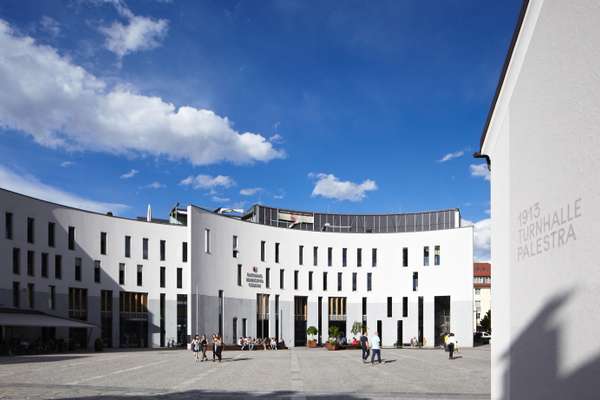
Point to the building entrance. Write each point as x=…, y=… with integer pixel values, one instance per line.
x=442, y=317
x=300, y=306
x=262, y=315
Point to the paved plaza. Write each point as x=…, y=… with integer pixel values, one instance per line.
x=284, y=374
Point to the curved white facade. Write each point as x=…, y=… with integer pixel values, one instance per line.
x=218, y=300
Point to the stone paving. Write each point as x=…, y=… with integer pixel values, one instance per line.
x=284, y=374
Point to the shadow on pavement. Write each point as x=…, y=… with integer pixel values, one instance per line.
x=38, y=359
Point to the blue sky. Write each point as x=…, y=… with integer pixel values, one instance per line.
x=346, y=106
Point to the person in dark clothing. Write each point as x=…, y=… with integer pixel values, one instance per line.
x=451, y=346
x=364, y=346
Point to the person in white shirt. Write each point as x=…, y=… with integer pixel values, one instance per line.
x=375, y=343
x=451, y=342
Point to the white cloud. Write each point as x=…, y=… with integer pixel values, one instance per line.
x=329, y=186
x=276, y=138
x=139, y=33
x=250, y=191
x=31, y=186
x=482, y=234
x=130, y=174
x=50, y=26
x=66, y=164
x=155, y=185
x=208, y=182
x=480, y=170
x=218, y=199
x=451, y=156
x=61, y=105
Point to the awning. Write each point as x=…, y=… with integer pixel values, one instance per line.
x=13, y=317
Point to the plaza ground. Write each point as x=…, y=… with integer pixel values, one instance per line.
x=284, y=374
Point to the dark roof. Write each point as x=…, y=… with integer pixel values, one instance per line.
x=511, y=49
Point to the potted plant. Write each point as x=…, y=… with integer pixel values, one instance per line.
x=312, y=331
x=332, y=343
x=357, y=328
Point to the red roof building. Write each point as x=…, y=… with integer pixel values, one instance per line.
x=482, y=275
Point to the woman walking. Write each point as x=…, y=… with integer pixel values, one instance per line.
x=195, y=345
x=219, y=347
x=204, y=347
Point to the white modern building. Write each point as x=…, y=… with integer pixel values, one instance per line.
x=542, y=142
x=268, y=272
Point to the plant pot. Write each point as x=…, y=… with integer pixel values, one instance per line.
x=312, y=344
x=331, y=346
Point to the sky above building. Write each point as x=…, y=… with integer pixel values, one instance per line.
x=354, y=106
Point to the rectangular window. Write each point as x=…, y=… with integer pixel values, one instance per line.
x=44, y=265
x=163, y=250
x=344, y=257
x=78, y=303
x=145, y=248
x=405, y=307
x=295, y=280
x=436, y=255
x=281, y=278
x=374, y=257
x=51, y=229
x=329, y=256
x=277, y=253
x=31, y=294
x=426, y=255
x=16, y=260
x=207, y=240
x=268, y=278
x=179, y=278
x=127, y=246
x=262, y=250
x=359, y=257
x=140, y=275
x=103, y=243
x=354, y=276
x=315, y=255
x=57, y=266
x=184, y=252
x=415, y=281
x=405, y=257
x=71, y=240
x=51, y=297
x=239, y=275
x=369, y=282
x=310, y=280
x=16, y=294
x=364, y=309
x=163, y=276
x=389, y=307
x=235, y=246
x=121, y=273
x=300, y=255
x=30, y=263
x=97, y=271
x=339, y=281
x=77, y=269
x=30, y=230
x=8, y=225
x=477, y=291
x=324, y=281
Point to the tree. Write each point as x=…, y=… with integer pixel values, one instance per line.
x=356, y=328
x=312, y=331
x=486, y=322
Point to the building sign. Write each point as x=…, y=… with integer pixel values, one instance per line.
x=254, y=279
x=295, y=218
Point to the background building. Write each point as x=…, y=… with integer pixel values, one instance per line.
x=482, y=291
x=270, y=272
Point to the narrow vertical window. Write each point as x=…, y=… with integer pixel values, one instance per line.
x=207, y=240
x=235, y=246
x=436, y=255
x=121, y=273
x=329, y=256
x=389, y=307
x=44, y=265
x=30, y=230
x=51, y=297
x=97, y=270
x=415, y=281
x=344, y=257
x=277, y=253
x=359, y=257
x=31, y=294
x=163, y=277
x=179, y=278
x=315, y=255
x=281, y=279
x=339, y=281
x=16, y=294
x=369, y=282
x=77, y=268
x=103, y=243
x=8, y=225
x=262, y=250
x=310, y=280
x=184, y=251
x=405, y=307
x=296, y=280
x=373, y=257
x=300, y=255
x=145, y=248
x=140, y=275
x=71, y=239
x=324, y=281
x=268, y=278
x=239, y=275
x=30, y=263
x=57, y=266
x=163, y=250
x=16, y=260
x=426, y=255
x=127, y=246
x=354, y=276
x=51, y=230
x=405, y=257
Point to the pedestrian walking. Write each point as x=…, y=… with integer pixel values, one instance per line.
x=219, y=347
x=195, y=346
x=364, y=346
x=214, y=346
x=375, y=342
x=204, y=347
x=451, y=346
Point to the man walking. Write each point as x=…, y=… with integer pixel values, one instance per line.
x=375, y=342
x=364, y=345
x=451, y=346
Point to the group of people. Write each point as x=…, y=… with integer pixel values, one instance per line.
x=370, y=345
x=248, y=343
x=199, y=347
